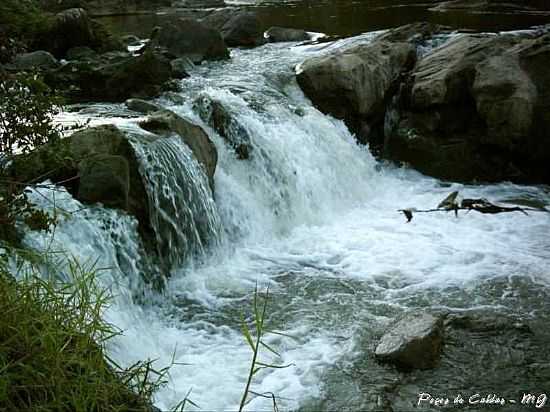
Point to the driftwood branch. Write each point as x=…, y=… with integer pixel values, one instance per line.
x=451, y=204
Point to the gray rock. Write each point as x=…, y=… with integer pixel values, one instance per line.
x=243, y=29
x=284, y=34
x=104, y=179
x=191, y=39
x=476, y=109
x=355, y=83
x=217, y=116
x=35, y=60
x=414, y=342
x=181, y=67
x=142, y=106
x=115, y=77
x=166, y=122
x=72, y=28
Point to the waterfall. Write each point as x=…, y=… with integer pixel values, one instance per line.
x=311, y=214
x=181, y=207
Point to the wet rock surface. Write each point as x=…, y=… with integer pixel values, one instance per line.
x=474, y=108
x=413, y=342
x=217, y=116
x=355, y=83
x=166, y=122
x=112, y=77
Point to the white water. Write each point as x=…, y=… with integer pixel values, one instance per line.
x=309, y=206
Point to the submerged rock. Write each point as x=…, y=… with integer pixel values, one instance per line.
x=285, y=34
x=414, y=342
x=189, y=38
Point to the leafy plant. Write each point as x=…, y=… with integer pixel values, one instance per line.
x=256, y=343
x=52, y=340
x=27, y=108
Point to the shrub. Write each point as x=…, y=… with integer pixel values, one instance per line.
x=20, y=18
x=52, y=355
x=27, y=107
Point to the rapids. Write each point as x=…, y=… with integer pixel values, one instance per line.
x=313, y=216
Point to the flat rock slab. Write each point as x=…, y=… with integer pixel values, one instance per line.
x=414, y=342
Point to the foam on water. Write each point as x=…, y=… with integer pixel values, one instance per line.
x=309, y=206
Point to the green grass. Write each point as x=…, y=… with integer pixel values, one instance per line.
x=52, y=355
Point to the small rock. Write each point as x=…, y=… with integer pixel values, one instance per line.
x=284, y=34
x=414, y=342
x=130, y=40
x=142, y=106
x=36, y=60
x=180, y=67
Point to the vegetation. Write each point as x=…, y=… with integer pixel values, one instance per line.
x=52, y=356
x=256, y=343
x=20, y=17
x=27, y=107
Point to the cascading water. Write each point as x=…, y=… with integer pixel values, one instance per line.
x=312, y=215
x=181, y=208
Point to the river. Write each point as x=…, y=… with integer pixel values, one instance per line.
x=313, y=216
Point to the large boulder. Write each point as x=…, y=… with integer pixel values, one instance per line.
x=355, y=83
x=189, y=38
x=238, y=28
x=114, y=77
x=95, y=152
x=414, y=342
x=476, y=108
x=102, y=165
